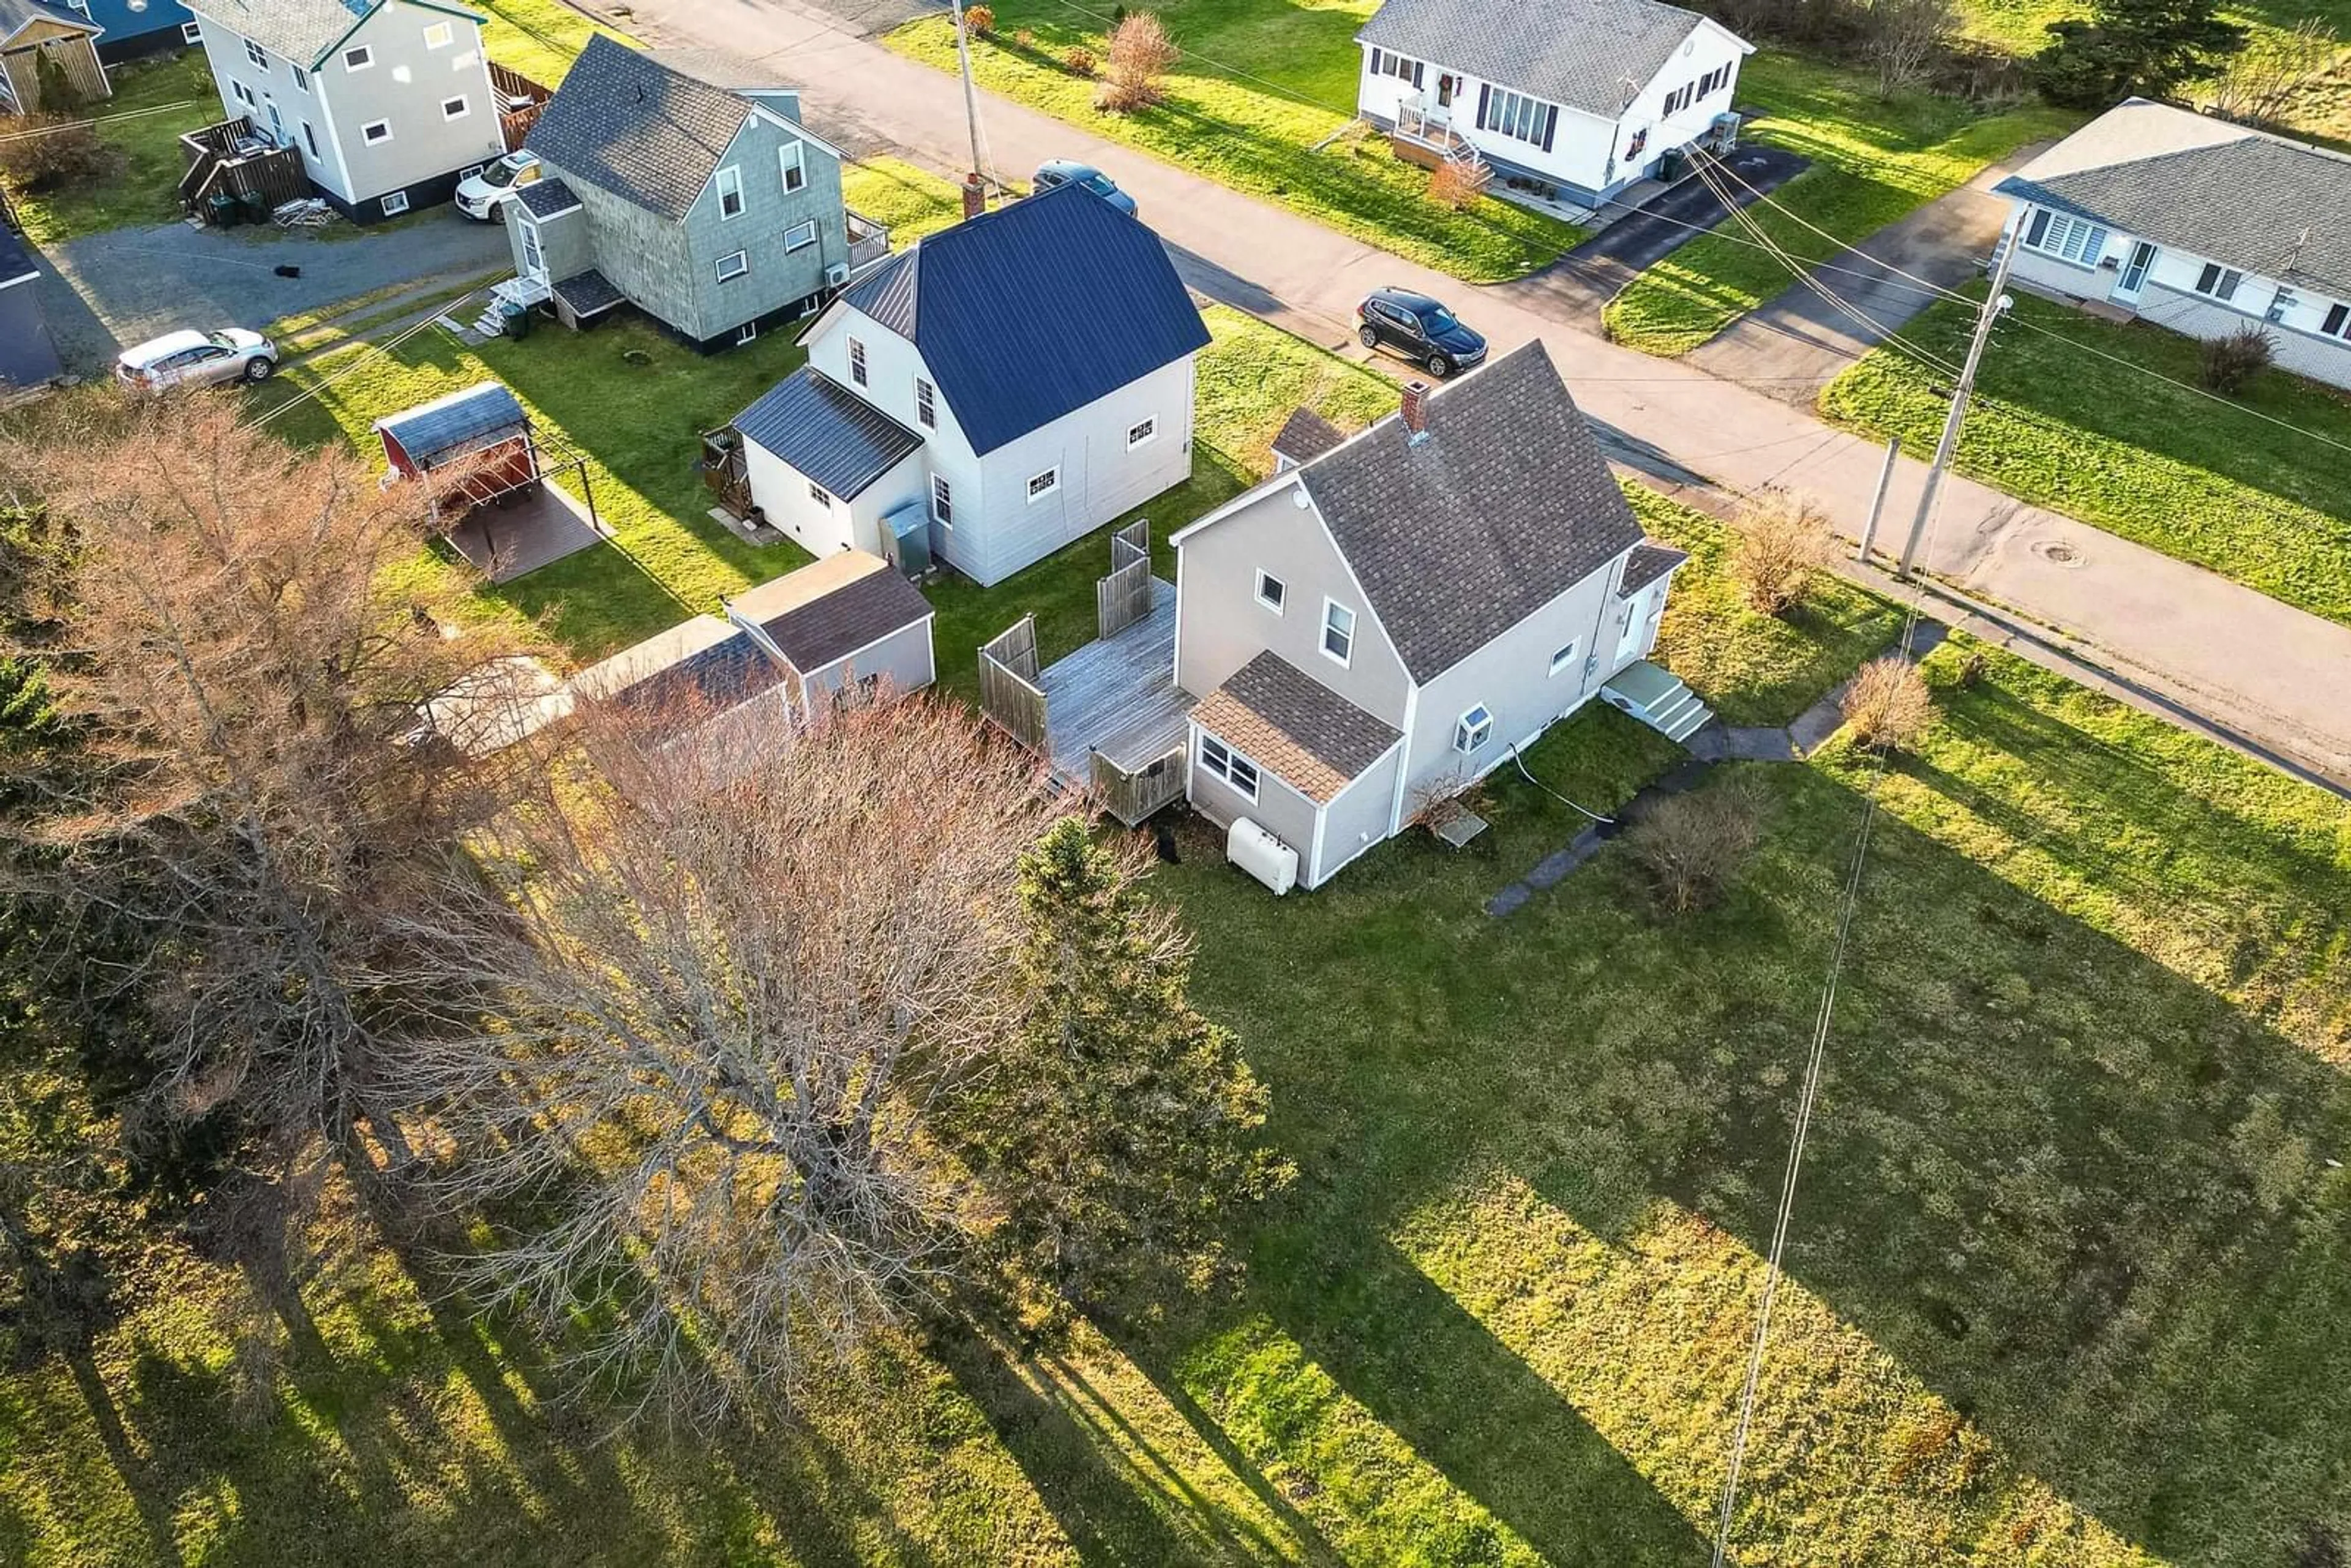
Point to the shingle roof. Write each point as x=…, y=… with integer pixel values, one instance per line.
x=704, y=661
x=548, y=198
x=826, y=431
x=1504, y=504
x=625, y=123
x=1579, y=52
x=462, y=421
x=1285, y=720
x=302, y=30
x=589, y=293
x=1035, y=309
x=2224, y=192
x=1305, y=435
x=825, y=611
x=720, y=69
x=15, y=15
x=1648, y=562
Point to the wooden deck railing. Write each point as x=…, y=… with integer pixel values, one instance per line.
x=1008, y=693
x=232, y=156
x=1130, y=797
x=520, y=103
x=1124, y=597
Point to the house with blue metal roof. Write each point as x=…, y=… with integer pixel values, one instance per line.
x=990, y=395
x=136, y=28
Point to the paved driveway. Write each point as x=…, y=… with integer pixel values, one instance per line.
x=1589, y=276
x=1795, y=344
x=126, y=286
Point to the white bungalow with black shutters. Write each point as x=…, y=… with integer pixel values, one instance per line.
x=1584, y=97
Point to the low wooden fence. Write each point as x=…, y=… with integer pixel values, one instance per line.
x=520, y=103
x=231, y=158
x=1130, y=797
x=1008, y=693
x=1124, y=597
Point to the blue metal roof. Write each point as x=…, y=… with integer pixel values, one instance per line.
x=15, y=261
x=462, y=421
x=822, y=430
x=1035, y=309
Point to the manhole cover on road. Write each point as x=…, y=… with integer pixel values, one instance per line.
x=2058, y=552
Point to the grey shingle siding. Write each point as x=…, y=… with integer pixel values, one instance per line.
x=1579, y=52
x=1502, y=505
x=625, y=123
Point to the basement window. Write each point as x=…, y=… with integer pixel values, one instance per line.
x=395, y=203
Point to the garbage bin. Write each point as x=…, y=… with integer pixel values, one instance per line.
x=516, y=318
x=222, y=210
x=1669, y=166
x=256, y=207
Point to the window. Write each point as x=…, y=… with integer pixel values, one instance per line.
x=795, y=161
x=1473, y=730
x=1137, y=434
x=730, y=193
x=857, y=361
x=375, y=132
x=358, y=60
x=257, y=54
x=2284, y=300
x=1337, y=631
x=1229, y=765
x=1564, y=659
x=190, y=33
x=748, y=332
x=942, y=502
x=455, y=108
x=310, y=139
x=799, y=237
x=244, y=94
x=1518, y=116
x=438, y=34
x=301, y=77
x=395, y=203
x=1271, y=591
x=1388, y=63
x=2218, y=281
x=2068, y=239
x=926, y=414
x=734, y=265
x=817, y=494
x=534, y=262
x=2338, y=321
x=1043, y=485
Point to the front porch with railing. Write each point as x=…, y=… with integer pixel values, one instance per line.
x=869, y=241
x=1109, y=718
x=1425, y=134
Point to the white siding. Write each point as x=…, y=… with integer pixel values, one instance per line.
x=902, y=660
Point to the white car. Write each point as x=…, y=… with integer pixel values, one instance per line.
x=484, y=196
x=197, y=359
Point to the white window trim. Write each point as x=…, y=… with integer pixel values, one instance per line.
x=1323, y=641
x=1234, y=761
x=447, y=30
x=368, y=140
x=819, y=494
x=301, y=77
x=366, y=61
x=720, y=183
x=926, y=404
x=857, y=374
x=464, y=107
x=191, y=33
x=2066, y=238
x=741, y=256
x=1052, y=478
x=1274, y=602
x=1564, y=659
x=1150, y=428
x=942, y=501
x=1469, y=738
x=792, y=159
x=746, y=333
x=2226, y=281
x=800, y=236
x=390, y=211
x=257, y=54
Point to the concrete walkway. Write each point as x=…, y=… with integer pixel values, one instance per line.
x=1795, y=344
x=2252, y=664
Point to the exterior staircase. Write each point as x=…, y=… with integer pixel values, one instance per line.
x=1658, y=698
x=524, y=291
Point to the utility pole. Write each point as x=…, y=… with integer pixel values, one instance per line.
x=970, y=92
x=1877, y=499
x=1994, y=303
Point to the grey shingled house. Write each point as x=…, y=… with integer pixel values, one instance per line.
x=686, y=186
x=1395, y=615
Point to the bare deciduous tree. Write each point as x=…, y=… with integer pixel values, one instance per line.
x=1691, y=847
x=1783, y=541
x=1887, y=705
x=1140, y=53
x=2260, y=85
x=735, y=974
x=1905, y=38
x=240, y=811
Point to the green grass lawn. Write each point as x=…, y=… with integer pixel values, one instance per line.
x=539, y=38
x=1258, y=132
x=2205, y=480
x=1873, y=162
x=146, y=190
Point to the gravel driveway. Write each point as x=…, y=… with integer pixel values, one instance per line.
x=105, y=290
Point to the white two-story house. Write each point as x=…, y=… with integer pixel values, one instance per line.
x=1585, y=97
x=2194, y=223
x=1383, y=624
x=388, y=101
x=1007, y=386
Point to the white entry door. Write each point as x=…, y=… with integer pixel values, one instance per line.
x=1637, y=616
x=2133, y=277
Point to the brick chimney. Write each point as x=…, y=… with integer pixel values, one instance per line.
x=974, y=196
x=1416, y=408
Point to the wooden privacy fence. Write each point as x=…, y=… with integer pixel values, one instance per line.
x=1130, y=797
x=1008, y=693
x=520, y=103
x=1124, y=597
x=232, y=157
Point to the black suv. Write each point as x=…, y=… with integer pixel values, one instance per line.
x=1418, y=329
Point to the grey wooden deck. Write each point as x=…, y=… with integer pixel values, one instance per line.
x=1117, y=696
